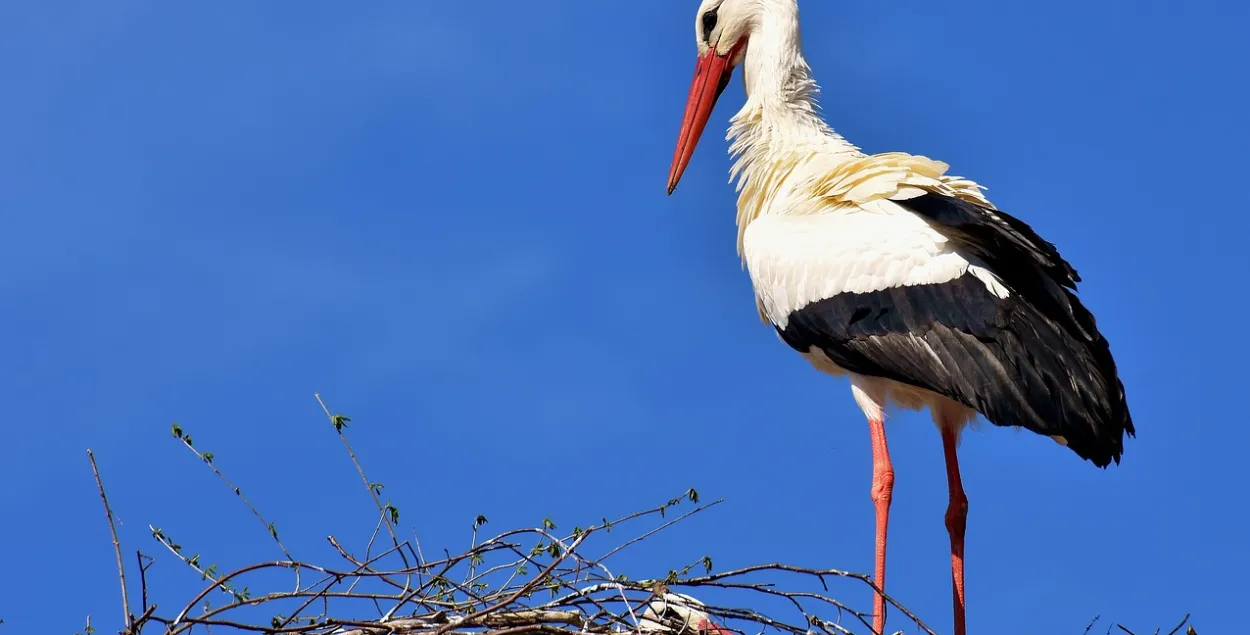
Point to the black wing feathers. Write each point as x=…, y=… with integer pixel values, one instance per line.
x=1034, y=359
x=1026, y=262
x=997, y=237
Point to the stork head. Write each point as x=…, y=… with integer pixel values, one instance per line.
x=678, y=614
x=721, y=28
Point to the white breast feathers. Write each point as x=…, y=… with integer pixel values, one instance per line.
x=797, y=260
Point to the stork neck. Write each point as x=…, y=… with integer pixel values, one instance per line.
x=781, y=114
x=775, y=72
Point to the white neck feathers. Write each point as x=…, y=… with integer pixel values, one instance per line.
x=780, y=127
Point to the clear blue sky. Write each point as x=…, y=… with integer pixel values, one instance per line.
x=449, y=218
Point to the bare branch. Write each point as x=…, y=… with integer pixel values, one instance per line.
x=1179, y=626
x=117, y=545
x=339, y=422
x=210, y=460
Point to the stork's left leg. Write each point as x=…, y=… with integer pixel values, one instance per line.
x=882, y=494
x=871, y=397
x=956, y=522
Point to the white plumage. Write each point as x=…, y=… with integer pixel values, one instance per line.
x=678, y=614
x=795, y=260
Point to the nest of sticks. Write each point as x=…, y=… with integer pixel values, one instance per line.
x=531, y=581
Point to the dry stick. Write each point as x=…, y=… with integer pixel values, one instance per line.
x=656, y=530
x=818, y=574
x=147, y=615
x=239, y=493
x=143, y=580
x=366, y=566
x=117, y=545
x=390, y=527
x=377, y=528
x=143, y=589
x=205, y=574
x=598, y=563
x=221, y=581
x=365, y=569
x=371, y=628
x=365, y=479
x=593, y=564
x=288, y=595
x=416, y=553
x=1091, y=625
x=825, y=625
x=792, y=596
x=776, y=566
x=411, y=594
x=529, y=586
x=1178, y=626
x=294, y=615
x=640, y=514
x=602, y=611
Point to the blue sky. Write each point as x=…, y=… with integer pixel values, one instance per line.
x=449, y=219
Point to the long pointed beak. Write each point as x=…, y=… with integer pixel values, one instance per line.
x=711, y=76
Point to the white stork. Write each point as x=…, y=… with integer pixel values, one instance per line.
x=883, y=268
x=678, y=614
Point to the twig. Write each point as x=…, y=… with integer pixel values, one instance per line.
x=529, y=585
x=117, y=545
x=1179, y=626
x=143, y=576
x=661, y=528
x=147, y=615
x=207, y=458
x=220, y=582
x=361, y=470
x=1091, y=625
x=817, y=573
x=193, y=562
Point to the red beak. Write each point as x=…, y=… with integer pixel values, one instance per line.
x=711, y=76
x=710, y=627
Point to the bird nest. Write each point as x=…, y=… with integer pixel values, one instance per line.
x=524, y=581
x=535, y=580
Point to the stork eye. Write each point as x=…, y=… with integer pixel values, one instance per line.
x=709, y=23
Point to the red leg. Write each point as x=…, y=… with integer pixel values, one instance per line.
x=956, y=523
x=882, y=488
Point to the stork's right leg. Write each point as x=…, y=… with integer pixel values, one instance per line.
x=871, y=395
x=956, y=523
x=882, y=490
